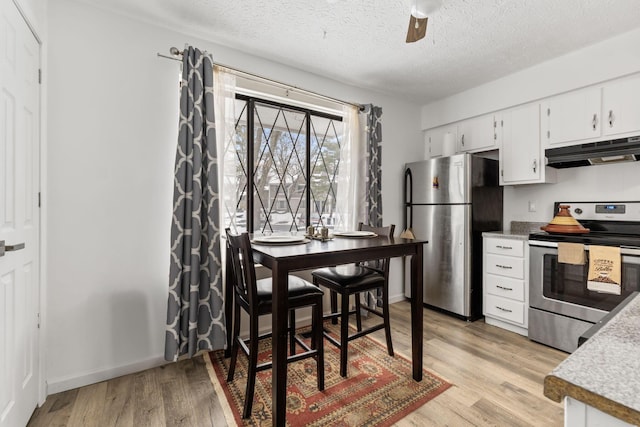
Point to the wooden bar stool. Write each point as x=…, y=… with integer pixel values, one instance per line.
x=353, y=279
x=254, y=297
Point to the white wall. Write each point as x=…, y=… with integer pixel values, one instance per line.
x=615, y=182
x=113, y=109
x=603, y=61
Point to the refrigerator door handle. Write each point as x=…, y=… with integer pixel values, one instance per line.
x=408, y=186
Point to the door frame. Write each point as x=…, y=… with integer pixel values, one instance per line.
x=42, y=57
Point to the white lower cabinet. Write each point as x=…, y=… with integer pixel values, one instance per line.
x=579, y=414
x=505, y=296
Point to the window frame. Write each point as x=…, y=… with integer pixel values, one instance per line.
x=250, y=101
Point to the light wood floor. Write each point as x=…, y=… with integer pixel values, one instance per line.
x=497, y=377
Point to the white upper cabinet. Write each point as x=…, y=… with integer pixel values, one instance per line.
x=435, y=139
x=521, y=155
x=477, y=134
x=621, y=107
x=571, y=117
x=610, y=110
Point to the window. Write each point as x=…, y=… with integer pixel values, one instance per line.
x=287, y=160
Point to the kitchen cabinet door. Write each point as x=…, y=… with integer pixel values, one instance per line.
x=477, y=134
x=435, y=139
x=572, y=117
x=521, y=154
x=621, y=107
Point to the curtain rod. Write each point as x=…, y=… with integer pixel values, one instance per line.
x=176, y=55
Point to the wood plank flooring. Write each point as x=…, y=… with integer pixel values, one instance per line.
x=497, y=377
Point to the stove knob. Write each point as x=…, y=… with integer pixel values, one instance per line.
x=577, y=211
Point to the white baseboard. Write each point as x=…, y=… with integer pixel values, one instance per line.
x=397, y=298
x=57, y=385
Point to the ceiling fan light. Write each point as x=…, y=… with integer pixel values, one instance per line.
x=422, y=8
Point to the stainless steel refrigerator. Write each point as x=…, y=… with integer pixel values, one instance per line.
x=450, y=201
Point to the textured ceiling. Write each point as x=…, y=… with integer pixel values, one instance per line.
x=361, y=42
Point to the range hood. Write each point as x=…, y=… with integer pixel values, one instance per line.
x=595, y=153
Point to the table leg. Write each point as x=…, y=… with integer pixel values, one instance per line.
x=417, y=295
x=279, y=351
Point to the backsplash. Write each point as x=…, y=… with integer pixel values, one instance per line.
x=616, y=182
x=524, y=227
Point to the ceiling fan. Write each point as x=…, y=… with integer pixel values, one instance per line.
x=420, y=9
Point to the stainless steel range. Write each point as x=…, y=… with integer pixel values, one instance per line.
x=561, y=307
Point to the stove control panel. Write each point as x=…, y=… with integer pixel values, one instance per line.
x=604, y=211
x=611, y=209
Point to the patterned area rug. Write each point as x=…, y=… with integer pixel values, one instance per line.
x=378, y=391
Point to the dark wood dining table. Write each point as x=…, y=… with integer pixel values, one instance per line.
x=284, y=259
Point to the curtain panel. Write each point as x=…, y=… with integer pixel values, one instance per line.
x=195, y=316
x=374, y=169
x=374, y=166
x=350, y=178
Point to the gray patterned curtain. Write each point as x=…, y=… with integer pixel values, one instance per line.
x=195, y=317
x=373, y=147
x=374, y=169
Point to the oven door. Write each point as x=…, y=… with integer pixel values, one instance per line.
x=562, y=288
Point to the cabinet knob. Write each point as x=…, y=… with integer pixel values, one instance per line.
x=594, y=121
x=535, y=165
x=611, y=118
x=462, y=139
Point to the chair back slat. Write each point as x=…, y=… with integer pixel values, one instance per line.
x=243, y=268
x=381, y=264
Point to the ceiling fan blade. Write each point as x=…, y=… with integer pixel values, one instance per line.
x=417, y=29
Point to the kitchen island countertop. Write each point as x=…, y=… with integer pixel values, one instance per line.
x=605, y=371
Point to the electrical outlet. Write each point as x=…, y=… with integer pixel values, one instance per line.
x=532, y=206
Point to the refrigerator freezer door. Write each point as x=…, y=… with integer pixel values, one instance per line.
x=442, y=180
x=447, y=256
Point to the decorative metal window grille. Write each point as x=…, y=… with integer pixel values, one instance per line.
x=287, y=160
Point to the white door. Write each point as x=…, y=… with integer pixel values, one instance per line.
x=19, y=217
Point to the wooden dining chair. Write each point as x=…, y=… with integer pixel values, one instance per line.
x=254, y=297
x=347, y=280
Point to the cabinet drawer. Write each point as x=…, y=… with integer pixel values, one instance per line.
x=505, y=309
x=505, y=266
x=509, y=247
x=505, y=287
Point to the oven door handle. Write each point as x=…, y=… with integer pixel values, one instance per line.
x=624, y=250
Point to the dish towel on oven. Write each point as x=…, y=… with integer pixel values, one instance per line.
x=604, y=269
x=571, y=253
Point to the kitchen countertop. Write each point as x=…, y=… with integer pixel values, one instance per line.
x=516, y=235
x=605, y=371
x=519, y=230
